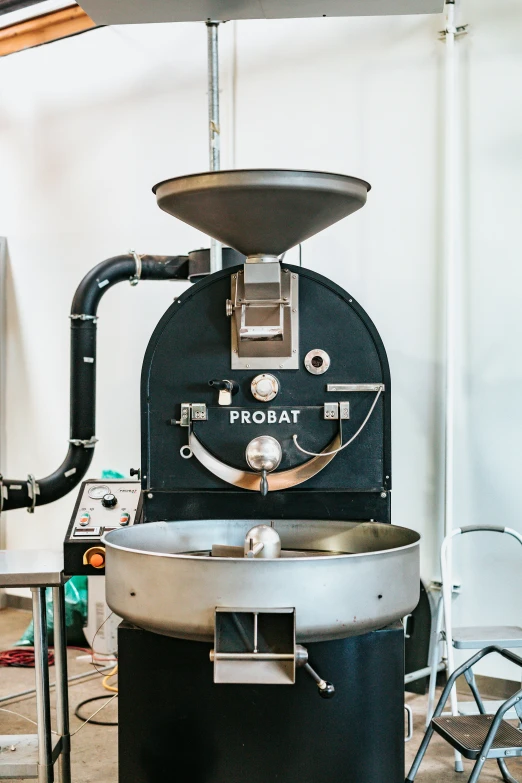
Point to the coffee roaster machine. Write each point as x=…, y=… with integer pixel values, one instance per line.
x=253, y=558
x=257, y=571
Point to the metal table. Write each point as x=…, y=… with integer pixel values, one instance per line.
x=33, y=755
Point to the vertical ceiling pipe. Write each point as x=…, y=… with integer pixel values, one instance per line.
x=451, y=279
x=214, y=130
x=451, y=260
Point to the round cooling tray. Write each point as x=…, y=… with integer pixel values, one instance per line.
x=159, y=575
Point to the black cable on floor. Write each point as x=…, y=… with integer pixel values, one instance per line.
x=95, y=722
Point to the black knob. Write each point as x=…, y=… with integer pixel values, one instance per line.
x=327, y=691
x=224, y=385
x=135, y=472
x=109, y=501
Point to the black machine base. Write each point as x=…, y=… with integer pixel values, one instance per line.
x=175, y=724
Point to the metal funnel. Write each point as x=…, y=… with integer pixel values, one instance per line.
x=261, y=211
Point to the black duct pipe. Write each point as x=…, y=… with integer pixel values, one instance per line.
x=30, y=492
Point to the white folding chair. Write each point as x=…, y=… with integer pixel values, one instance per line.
x=467, y=637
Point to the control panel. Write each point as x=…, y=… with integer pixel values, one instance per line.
x=102, y=505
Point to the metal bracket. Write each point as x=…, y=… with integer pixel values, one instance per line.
x=354, y=387
x=83, y=317
x=191, y=411
x=135, y=279
x=435, y=586
x=87, y=444
x=409, y=717
x=458, y=31
x=337, y=410
x=33, y=490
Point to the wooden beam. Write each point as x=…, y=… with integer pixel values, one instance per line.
x=44, y=29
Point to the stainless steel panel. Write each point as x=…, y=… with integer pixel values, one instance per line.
x=150, y=583
x=28, y=568
x=138, y=11
x=19, y=755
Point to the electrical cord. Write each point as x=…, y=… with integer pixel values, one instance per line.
x=93, y=652
x=22, y=657
x=336, y=451
x=90, y=720
x=85, y=720
x=105, y=681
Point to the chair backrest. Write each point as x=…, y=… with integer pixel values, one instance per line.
x=446, y=553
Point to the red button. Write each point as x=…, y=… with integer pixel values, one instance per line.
x=97, y=560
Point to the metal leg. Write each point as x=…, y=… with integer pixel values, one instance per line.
x=420, y=755
x=505, y=772
x=43, y=707
x=435, y=658
x=62, y=700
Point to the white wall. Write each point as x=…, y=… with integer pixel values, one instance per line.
x=89, y=124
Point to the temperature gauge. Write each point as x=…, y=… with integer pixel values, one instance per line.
x=98, y=491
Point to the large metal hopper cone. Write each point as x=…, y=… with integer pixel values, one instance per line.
x=261, y=211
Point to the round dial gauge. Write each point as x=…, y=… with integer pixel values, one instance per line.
x=98, y=491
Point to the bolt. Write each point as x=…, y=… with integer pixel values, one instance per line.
x=387, y=477
x=248, y=366
x=285, y=299
x=383, y=494
x=12, y=747
x=235, y=350
x=281, y=365
x=294, y=309
x=150, y=495
x=294, y=277
x=350, y=300
x=233, y=277
x=285, y=271
x=294, y=350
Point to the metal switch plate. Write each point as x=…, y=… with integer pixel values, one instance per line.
x=199, y=411
x=331, y=410
x=344, y=411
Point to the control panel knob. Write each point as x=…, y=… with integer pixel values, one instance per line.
x=264, y=387
x=124, y=518
x=109, y=501
x=264, y=453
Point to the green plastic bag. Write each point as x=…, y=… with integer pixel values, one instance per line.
x=75, y=614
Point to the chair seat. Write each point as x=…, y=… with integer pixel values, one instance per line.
x=476, y=637
x=467, y=734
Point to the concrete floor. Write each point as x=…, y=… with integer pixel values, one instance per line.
x=94, y=749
